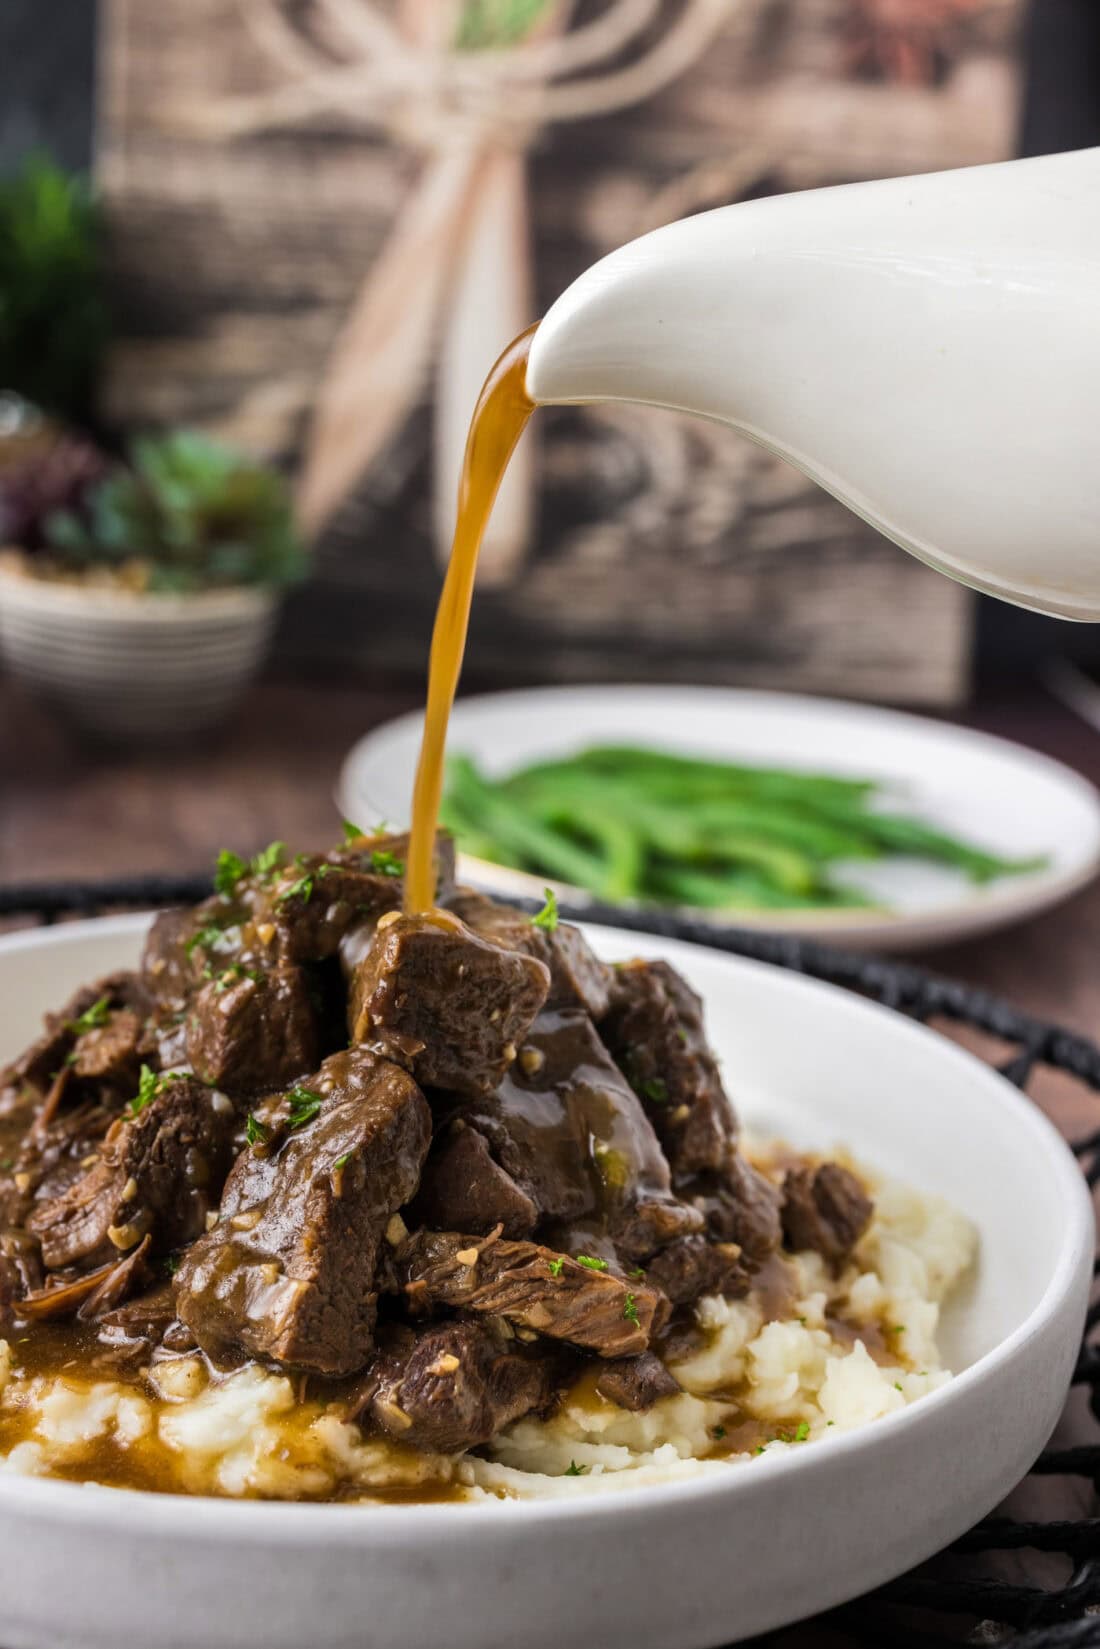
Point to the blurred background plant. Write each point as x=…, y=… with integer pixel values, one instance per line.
x=54, y=323
x=185, y=514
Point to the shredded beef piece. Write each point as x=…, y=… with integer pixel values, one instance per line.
x=157, y=1173
x=531, y=1287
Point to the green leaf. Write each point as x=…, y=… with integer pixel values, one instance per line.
x=304, y=1105
x=547, y=917
x=228, y=871
x=92, y=1018
x=255, y=1132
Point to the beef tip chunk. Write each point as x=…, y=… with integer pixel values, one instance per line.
x=577, y=976
x=111, y=1053
x=72, y=1033
x=824, y=1208
x=567, y=1128
x=739, y=1206
x=451, y=1005
x=157, y=1173
x=691, y=1267
x=637, y=1383
x=453, y=1386
x=464, y=1189
x=251, y=1031
x=320, y=900
x=655, y=1032
x=288, y=1273
x=531, y=1287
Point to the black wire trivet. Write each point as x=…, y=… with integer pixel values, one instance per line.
x=955, y=1597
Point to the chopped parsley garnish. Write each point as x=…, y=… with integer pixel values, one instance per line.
x=655, y=1089
x=556, y=1265
x=802, y=1431
x=255, y=1132
x=591, y=1262
x=303, y=887
x=304, y=1105
x=896, y=1328
x=203, y=938
x=8, y=1162
x=638, y=1274
x=150, y=1084
x=573, y=1470
x=92, y=1018
x=352, y=832
x=233, y=975
x=630, y=1310
x=547, y=917
x=718, y=1433
x=386, y=863
x=759, y=1449
x=172, y=1264
x=228, y=870
x=897, y=1385
x=269, y=860
x=342, y=1162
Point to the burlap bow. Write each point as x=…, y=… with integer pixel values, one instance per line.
x=468, y=84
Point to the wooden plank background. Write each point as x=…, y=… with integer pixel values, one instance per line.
x=664, y=548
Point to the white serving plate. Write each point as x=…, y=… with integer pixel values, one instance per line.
x=1000, y=795
x=690, y=1564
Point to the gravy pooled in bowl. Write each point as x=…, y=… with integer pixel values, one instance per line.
x=328, y=1201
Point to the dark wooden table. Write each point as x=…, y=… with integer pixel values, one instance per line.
x=69, y=811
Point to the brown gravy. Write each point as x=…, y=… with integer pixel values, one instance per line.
x=499, y=420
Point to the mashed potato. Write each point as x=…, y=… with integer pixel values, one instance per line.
x=845, y=1350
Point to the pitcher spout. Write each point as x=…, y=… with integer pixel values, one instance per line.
x=927, y=349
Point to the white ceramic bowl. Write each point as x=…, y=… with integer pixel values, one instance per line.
x=130, y=667
x=997, y=794
x=691, y=1564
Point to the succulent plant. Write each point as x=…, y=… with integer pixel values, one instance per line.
x=197, y=515
x=43, y=468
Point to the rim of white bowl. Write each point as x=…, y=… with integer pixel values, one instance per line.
x=264, y=1520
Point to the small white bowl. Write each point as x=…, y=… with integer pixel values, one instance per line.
x=132, y=667
x=693, y=1563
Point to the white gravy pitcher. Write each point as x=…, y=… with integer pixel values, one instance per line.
x=927, y=349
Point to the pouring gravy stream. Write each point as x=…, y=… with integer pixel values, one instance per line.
x=499, y=420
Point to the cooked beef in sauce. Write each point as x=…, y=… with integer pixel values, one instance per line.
x=522, y=1165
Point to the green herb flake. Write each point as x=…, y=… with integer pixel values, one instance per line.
x=228, y=870
x=896, y=1328
x=255, y=1132
x=638, y=1274
x=269, y=860
x=352, y=832
x=802, y=1431
x=630, y=1310
x=172, y=1264
x=655, y=1089
x=897, y=1385
x=150, y=1084
x=341, y=1162
x=556, y=1265
x=718, y=1433
x=385, y=863
x=592, y=1262
x=759, y=1449
x=235, y=973
x=573, y=1470
x=92, y=1018
x=304, y=1105
x=8, y=1162
x=547, y=917
x=302, y=888
x=204, y=938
